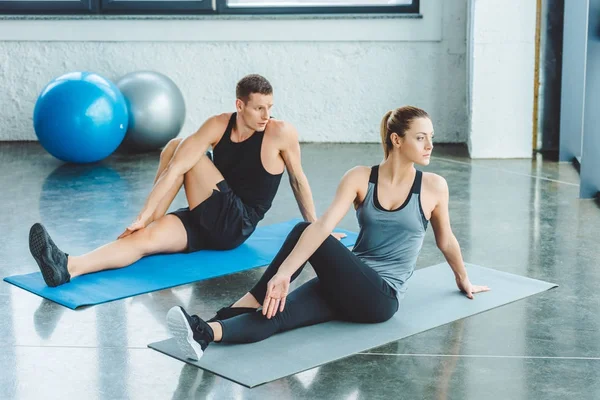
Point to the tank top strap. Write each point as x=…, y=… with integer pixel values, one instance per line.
x=416, y=187
x=374, y=174
x=230, y=126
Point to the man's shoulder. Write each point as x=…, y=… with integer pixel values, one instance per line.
x=214, y=126
x=281, y=130
x=220, y=119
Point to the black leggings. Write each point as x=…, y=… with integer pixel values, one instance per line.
x=345, y=288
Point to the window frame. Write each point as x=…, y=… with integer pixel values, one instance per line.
x=125, y=7
x=224, y=9
x=187, y=7
x=49, y=7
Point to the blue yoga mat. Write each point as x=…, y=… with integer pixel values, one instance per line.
x=164, y=271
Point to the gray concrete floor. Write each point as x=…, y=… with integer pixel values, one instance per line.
x=518, y=216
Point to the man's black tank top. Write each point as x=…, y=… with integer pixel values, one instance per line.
x=242, y=168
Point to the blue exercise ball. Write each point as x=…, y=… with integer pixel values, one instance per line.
x=80, y=117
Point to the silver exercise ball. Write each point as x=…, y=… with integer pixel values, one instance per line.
x=156, y=110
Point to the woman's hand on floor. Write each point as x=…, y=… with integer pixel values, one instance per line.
x=277, y=291
x=338, y=235
x=469, y=289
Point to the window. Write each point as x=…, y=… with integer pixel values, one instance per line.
x=47, y=6
x=320, y=6
x=297, y=3
x=215, y=7
x=157, y=6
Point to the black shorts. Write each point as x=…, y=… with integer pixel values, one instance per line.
x=220, y=222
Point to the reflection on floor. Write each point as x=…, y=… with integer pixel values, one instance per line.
x=519, y=216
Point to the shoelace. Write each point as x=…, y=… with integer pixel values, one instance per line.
x=197, y=326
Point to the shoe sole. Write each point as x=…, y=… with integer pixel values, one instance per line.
x=181, y=331
x=37, y=242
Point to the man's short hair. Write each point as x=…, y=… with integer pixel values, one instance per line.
x=253, y=83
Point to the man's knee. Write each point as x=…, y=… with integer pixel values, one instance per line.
x=141, y=241
x=152, y=235
x=169, y=149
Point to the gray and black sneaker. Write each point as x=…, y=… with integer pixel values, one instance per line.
x=51, y=260
x=192, y=334
x=230, y=312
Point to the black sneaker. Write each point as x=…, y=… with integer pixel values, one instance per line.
x=230, y=312
x=192, y=334
x=51, y=260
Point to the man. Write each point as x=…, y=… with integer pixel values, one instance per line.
x=226, y=199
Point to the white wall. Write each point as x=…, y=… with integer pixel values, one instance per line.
x=502, y=62
x=334, y=77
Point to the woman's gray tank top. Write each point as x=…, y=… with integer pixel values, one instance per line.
x=389, y=241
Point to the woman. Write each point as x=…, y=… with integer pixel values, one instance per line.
x=394, y=203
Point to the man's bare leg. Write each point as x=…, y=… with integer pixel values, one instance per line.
x=191, y=179
x=165, y=158
x=165, y=235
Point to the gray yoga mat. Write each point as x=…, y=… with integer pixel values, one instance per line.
x=432, y=300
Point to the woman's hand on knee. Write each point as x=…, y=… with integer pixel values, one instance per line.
x=277, y=291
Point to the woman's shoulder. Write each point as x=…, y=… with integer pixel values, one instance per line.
x=356, y=177
x=358, y=173
x=434, y=183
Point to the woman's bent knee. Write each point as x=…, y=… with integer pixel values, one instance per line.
x=299, y=228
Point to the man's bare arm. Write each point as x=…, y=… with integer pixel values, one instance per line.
x=298, y=181
x=186, y=156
